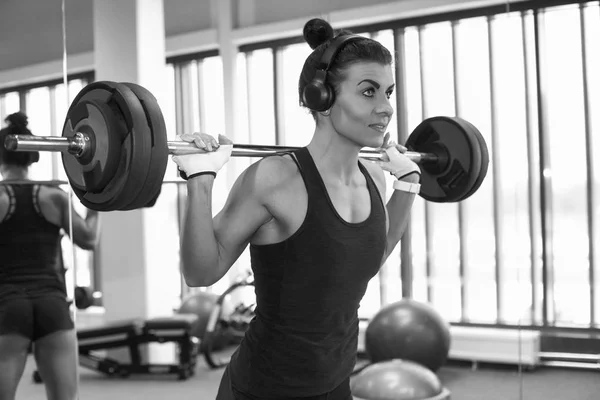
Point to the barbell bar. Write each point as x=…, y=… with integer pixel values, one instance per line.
x=79, y=146
x=115, y=151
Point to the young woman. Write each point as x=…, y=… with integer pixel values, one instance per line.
x=33, y=305
x=315, y=220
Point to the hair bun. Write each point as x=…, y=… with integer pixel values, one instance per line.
x=316, y=32
x=18, y=119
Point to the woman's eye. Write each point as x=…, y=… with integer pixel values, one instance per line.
x=389, y=94
x=369, y=92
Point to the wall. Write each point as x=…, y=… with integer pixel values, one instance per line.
x=31, y=30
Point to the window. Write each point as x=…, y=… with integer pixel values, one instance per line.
x=567, y=176
x=523, y=249
x=9, y=104
x=296, y=123
x=591, y=25
x=260, y=93
x=199, y=107
x=441, y=219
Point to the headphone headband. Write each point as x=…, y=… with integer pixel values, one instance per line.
x=334, y=48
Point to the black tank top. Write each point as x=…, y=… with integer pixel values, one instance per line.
x=303, y=341
x=29, y=245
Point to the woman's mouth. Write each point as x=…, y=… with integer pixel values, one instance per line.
x=379, y=128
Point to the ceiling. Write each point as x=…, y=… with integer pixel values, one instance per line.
x=31, y=30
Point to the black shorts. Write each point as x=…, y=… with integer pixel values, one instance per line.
x=35, y=316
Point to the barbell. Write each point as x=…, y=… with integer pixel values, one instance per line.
x=115, y=151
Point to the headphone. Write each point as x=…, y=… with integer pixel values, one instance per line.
x=34, y=156
x=318, y=95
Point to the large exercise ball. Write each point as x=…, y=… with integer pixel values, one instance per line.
x=397, y=380
x=408, y=330
x=201, y=304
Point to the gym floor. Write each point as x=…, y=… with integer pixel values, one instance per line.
x=484, y=383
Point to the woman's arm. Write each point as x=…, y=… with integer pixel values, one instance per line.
x=408, y=175
x=210, y=246
x=86, y=231
x=398, y=209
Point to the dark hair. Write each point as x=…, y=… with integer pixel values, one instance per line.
x=17, y=125
x=318, y=33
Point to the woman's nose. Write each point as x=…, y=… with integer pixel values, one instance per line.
x=385, y=108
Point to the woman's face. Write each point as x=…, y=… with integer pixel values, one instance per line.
x=362, y=109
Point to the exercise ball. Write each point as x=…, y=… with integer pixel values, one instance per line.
x=408, y=330
x=397, y=380
x=200, y=304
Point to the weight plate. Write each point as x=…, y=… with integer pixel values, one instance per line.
x=135, y=146
x=141, y=139
x=77, y=120
x=160, y=152
x=458, y=149
x=485, y=161
x=98, y=166
x=472, y=173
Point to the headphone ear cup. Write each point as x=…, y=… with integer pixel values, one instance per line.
x=317, y=95
x=34, y=157
x=330, y=97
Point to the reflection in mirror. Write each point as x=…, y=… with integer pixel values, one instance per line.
x=46, y=239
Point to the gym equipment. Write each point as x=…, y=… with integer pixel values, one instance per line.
x=233, y=327
x=200, y=304
x=408, y=330
x=84, y=297
x=115, y=150
x=466, y=168
x=131, y=334
x=397, y=380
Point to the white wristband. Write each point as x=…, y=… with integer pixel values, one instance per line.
x=407, y=186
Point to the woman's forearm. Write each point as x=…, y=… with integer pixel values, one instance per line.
x=92, y=220
x=199, y=246
x=398, y=208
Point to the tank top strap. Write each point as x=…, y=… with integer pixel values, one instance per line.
x=312, y=178
x=35, y=200
x=12, y=202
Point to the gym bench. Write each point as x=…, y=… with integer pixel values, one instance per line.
x=131, y=334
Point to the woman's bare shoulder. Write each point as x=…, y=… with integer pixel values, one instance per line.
x=52, y=194
x=273, y=171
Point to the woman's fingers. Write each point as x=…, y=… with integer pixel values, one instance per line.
x=386, y=139
x=205, y=141
x=400, y=148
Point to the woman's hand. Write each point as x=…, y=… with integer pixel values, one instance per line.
x=217, y=154
x=398, y=164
